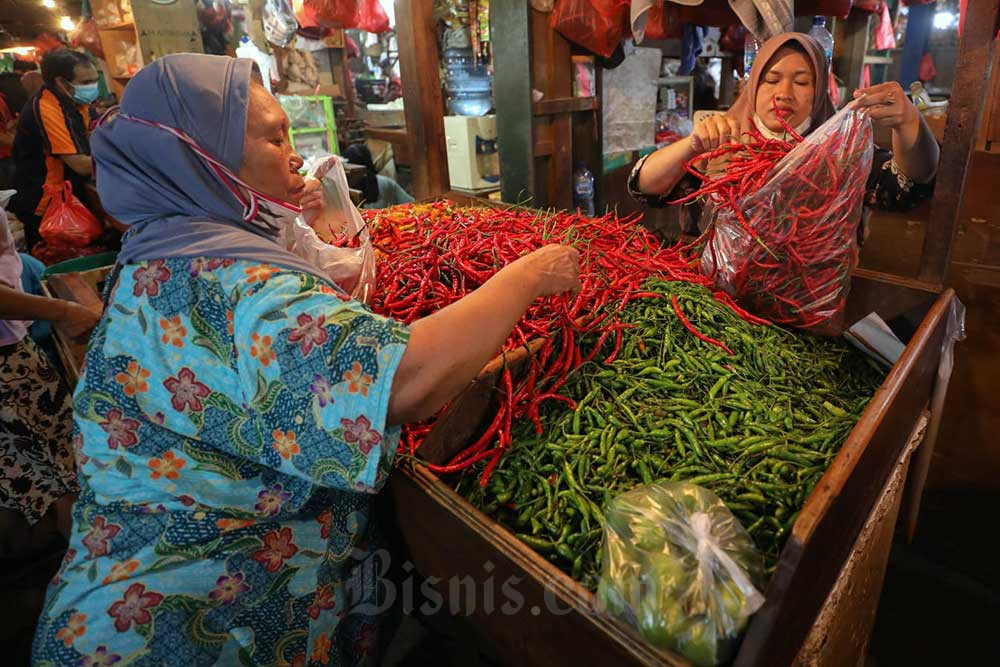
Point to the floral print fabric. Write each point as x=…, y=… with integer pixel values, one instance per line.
x=231, y=432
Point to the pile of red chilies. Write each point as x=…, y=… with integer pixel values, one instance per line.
x=801, y=215
x=434, y=254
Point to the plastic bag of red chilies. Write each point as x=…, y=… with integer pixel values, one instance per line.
x=786, y=250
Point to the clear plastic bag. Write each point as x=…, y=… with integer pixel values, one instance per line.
x=280, y=23
x=680, y=567
x=338, y=242
x=787, y=251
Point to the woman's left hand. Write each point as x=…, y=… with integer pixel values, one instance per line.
x=313, y=201
x=887, y=105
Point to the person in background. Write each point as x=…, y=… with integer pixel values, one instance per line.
x=787, y=79
x=32, y=82
x=238, y=411
x=51, y=143
x=12, y=99
x=37, y=470
x=379, y=191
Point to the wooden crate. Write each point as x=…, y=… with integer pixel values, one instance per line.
x=448, y=539
x=83, y=287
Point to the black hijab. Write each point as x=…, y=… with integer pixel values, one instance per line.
x=359, y=154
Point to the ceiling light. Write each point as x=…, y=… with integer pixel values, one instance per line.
x=49, y=4
x=66, y=23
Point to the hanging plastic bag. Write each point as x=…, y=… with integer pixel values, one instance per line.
x=786, y=251
x=372, y=18
x=927, y=71
x=334, y=13
x=885, y=37
x=67, y=221
x=86, y=36
x=338, y=242
x=679, y=566
x=597, y=25
x=279, y=22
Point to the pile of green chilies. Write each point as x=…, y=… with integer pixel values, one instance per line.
x=758, y=427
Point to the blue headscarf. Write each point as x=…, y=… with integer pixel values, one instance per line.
x=176, y=201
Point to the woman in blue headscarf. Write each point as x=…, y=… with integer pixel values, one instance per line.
x=238, y=411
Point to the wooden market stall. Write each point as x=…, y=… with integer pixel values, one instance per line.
x=822, y=599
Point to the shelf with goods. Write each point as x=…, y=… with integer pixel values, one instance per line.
x=136, y=33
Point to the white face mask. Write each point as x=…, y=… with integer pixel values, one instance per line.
x=780, y=136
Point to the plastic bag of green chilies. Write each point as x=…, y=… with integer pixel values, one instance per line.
x=679, y=566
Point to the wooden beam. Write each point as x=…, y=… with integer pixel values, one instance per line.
x=416, y=33
x=386, y=134
x=972, y=75
x=562, y=105
x=850, y=47
x=512, y=82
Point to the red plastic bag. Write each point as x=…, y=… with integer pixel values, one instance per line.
x=372, y=18
x=334, y=13
x=87, y=37
x=885, y=34
x=597, y=25
x=654, y=22
x=927, y=71
x=67, y=221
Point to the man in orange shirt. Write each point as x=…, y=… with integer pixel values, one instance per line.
x=51, y=144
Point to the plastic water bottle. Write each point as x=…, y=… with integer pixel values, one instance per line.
x=823, y=36
x=750, y=48
x=583, y=190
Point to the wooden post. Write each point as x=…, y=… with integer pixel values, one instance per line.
x=418, y=65
x=972, y=74
x=850, y=47
x=512, y=81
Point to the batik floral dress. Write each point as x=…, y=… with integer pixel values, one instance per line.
x=231, y=434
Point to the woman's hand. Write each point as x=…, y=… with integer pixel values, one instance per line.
x=887, y=105
x=77, y=320
x=553, y=269
x=713, y=132
x=313, y=202
x=914, y=148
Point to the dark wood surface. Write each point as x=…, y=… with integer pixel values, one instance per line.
x=561, y=105
x=972, y=71
x=850, y=44
x=512, y=83
x=552, y=75
x=416, y=32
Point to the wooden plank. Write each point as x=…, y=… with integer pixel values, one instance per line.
x=850, y=48
x=972, y=72
x=512, y=83
x=551, y=68
x=543, y=147
x=561, y=105
x=416, y=32
x=839, y=506
x=989, y=126
x=843, y=628
x=384, y=134
x=534, y=613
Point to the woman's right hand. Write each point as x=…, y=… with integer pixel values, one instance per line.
x=713, y=132
x=77, y=319
x=552, y=269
